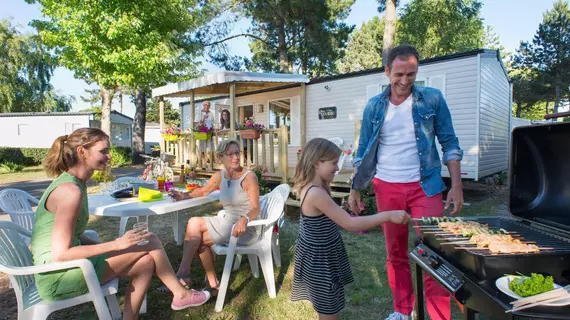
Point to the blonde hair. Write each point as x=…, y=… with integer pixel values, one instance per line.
x=224, y=146
x=63, y=152
x=317, y=149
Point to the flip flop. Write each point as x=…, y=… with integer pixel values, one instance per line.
x=186, y=282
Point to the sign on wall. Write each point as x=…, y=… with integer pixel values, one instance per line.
x=327, y=113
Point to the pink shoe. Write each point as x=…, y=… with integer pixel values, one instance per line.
x=197, y=298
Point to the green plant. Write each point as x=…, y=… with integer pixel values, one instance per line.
x=120, y=156
x=10, y=167
x=102, y=176
x=23, y=156
x=263, y=185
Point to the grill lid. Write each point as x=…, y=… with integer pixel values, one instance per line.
x=539, y=178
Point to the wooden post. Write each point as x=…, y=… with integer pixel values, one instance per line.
x=212, y=151
x=263, y=150
x=241, y=114
x=255, y=151
x=233, y=113
x=161, y=117
x=303, y=114
x=192, y=149
x=284, y=162
x=241, y=162
x=271, y=151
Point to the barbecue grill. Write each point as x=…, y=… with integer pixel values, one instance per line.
x=539, y=205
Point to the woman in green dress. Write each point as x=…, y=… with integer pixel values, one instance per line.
x=61, y=219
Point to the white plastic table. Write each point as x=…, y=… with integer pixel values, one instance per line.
x=105, y=205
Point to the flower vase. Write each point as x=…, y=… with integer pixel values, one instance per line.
x=202, y=135
x=249, y=134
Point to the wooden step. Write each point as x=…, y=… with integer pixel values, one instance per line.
x=293, y=203
x=336, y=194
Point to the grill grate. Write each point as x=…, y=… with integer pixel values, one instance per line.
x=542, y=238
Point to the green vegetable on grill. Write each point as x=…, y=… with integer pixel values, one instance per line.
x=533, y=285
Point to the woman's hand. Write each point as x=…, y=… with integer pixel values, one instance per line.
x=239, y=227
x=131, y=238
x=177, y=195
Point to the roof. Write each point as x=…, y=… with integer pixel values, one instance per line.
x=218, y=83
x=120, y=114
x=421, y=63
x=33, y=114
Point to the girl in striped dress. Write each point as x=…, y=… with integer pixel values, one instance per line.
x=321, y=263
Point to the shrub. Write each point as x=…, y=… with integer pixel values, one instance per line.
x=263, y=185
x=23, y=156
x=10, y=167
x=102, y=176
x=120, y=156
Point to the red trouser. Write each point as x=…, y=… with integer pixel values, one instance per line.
x=411, y=198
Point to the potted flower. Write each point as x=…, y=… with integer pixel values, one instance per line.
x=202, y=131
x=250, y=130
x=299, y=154
x=171, y=133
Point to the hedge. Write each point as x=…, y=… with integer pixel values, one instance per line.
x=35, y=156
x=23, y=156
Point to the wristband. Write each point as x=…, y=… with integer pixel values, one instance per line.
x=246, y=217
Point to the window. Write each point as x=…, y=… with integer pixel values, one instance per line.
x=280, y=115
x=23, y=129
x=120, y=132
x=417, y=83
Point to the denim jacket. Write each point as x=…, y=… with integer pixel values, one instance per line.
x=431, y=118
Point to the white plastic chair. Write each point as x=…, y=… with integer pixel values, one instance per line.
x=122, y=183
x=16, y=261
x=16, y=203
x=271, y=209
x=282, y=191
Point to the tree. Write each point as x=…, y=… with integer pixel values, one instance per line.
x=123, y=43
x=389, y=26
x=527, y=92
x=439, y=27
x=364, y=49
x=491, y=39
x=171, y=115
x=25, y=75
x=549, y=52
x=306, y=36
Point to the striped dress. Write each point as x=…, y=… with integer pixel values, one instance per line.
x=321, y=264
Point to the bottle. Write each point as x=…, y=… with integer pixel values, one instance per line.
x=182, y=175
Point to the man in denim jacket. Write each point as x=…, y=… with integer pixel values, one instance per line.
x=397, y=152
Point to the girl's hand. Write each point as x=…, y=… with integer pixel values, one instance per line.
x=177, y=195
x=399, y=216
x=131, y=238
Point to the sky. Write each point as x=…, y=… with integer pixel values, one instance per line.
x=513, y=21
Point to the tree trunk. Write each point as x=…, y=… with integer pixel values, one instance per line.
x=106, y=96
x=282, y=48
x=389, y=30
x=558, y=90
x=121, y=99
x=139, y=127
x=518, y=110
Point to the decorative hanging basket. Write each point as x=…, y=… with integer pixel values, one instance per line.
x=202, y=135
x=170, y=137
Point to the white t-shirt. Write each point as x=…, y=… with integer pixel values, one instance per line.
x=206, y=117
x=398, y=159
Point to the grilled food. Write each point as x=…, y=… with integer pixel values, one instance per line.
x=513, y=248
x=484, y=240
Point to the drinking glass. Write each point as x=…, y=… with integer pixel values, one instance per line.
x=144, y=226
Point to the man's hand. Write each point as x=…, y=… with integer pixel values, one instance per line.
x=455, y=196
x=354, y=201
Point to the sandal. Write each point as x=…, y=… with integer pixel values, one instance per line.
x=213, y=291
x=186, y=281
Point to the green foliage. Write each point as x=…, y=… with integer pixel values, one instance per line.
x=305, y=36
x=11, y=167
x=25, y=75
x=120, y=156
x=263, y=185
x=102, y=176
x=548, y=55
x=171, y=115
x=364, y=50
x=23, y=156
x=439, y=27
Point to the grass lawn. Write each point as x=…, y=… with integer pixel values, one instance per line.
x=369, y=297
x=29, y=173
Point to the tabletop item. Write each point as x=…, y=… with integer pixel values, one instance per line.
x=146, y=195
x=144, y=226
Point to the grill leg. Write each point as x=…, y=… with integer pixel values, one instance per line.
x=468, y=314
x=419, y=314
